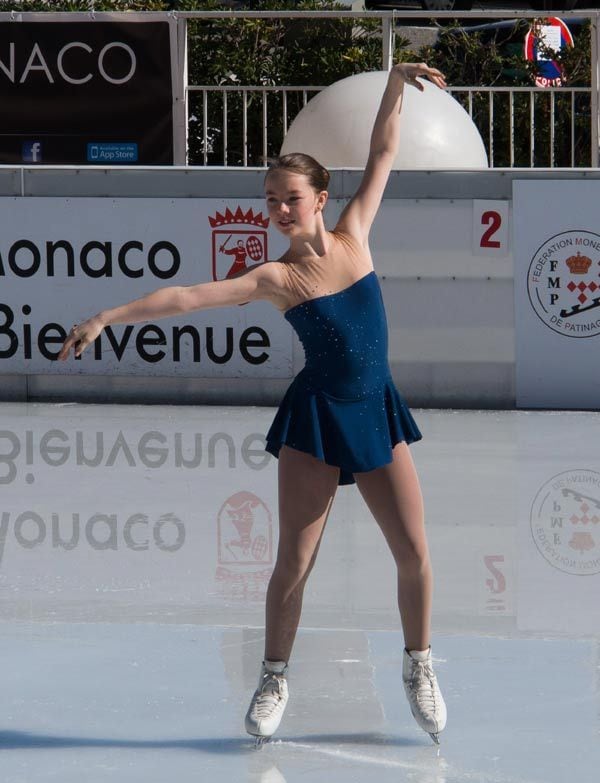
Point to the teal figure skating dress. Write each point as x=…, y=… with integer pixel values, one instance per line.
x=343, y=406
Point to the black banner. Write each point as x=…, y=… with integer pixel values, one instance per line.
x=93, y=93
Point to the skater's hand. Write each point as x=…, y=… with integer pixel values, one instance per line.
x=410, y=71
x=80, y=336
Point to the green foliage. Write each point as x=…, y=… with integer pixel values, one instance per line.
x=475, y=57
x=83, y=5
x=496, y=59
x=267, y=52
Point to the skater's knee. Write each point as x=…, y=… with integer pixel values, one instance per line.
x=293, y=565
x=412, y=560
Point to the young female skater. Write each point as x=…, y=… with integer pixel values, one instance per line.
x=342, y=420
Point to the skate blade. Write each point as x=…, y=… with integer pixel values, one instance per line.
x=435, y=737
x=260, y=741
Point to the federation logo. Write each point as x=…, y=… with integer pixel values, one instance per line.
x=563, y=283
x=565, y=522
x=239, y=241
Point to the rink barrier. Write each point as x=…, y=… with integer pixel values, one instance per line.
x=450, y=307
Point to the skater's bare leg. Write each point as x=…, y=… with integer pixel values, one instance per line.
x=306, y=490
x=393, y=495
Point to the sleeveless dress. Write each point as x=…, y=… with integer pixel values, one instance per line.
x=343, y=406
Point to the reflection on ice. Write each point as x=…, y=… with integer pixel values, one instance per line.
x=125, y=512
x=136, y=544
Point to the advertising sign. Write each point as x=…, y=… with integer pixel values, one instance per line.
x=557, y=294
x=87, y=92
x=64, y=259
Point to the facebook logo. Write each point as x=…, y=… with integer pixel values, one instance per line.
x=32, y=152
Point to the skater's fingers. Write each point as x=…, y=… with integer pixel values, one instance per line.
x=412, y=72
x=80, y=337
x=66, y=348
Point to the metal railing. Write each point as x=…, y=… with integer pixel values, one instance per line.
x=286, y=108
x=560, y=120
x=534, y=102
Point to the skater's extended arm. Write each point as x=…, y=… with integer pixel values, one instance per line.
x=360, y=212
x=258, y=283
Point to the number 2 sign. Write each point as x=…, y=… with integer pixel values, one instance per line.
x=490, y=228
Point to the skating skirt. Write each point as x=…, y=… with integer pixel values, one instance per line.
x=355, y=435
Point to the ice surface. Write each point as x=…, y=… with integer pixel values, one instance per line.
x=135, y=548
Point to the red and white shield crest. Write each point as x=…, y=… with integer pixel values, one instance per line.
x=239, y=241
x=245, y=531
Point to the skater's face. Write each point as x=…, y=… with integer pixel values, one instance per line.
x=294, y=205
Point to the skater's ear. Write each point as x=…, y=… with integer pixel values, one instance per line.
x=322, y=197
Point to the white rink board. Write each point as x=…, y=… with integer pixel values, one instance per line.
x=557, y=294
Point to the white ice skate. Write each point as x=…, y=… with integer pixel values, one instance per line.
x=268, y=703
x=424, y=696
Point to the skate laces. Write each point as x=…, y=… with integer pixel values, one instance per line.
x=423, y=684
x=269, y=695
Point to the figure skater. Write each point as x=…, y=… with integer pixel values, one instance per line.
x=342, y=419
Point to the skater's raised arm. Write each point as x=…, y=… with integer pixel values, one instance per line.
x=259, y=282
x=360, y=212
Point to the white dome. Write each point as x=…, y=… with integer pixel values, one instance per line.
x=435, y=131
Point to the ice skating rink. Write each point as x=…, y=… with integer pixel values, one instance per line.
x=135, y=548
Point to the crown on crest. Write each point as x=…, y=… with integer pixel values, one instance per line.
x=245, y=218
x=582, y=541
x=578, y=265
